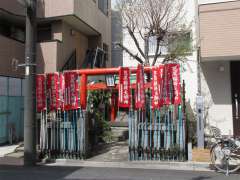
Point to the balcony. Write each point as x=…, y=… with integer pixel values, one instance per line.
x=11, y=54
x=81, y=14
x=12, y=6
x=48, y=56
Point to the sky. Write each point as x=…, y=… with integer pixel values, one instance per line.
x=211, y=1
x=199, y=1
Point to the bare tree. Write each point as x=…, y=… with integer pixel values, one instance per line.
x=161, y=19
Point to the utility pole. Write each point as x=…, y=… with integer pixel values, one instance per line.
x=29, y=85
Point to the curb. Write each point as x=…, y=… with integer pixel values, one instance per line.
x=185, y=166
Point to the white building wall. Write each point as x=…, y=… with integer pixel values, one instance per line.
x=215, y=84
x=216, y=89
x=189, y=69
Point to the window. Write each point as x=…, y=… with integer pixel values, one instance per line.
x=103, y=6
x=173, y=41
x=101, y=56
x=12, y=30
x=105, y=57
x=44, y=33
x=153, y=45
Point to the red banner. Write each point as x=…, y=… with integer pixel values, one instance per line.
x=61, y=90
x=140, y=91
x=53, y=91
x=40, y=92
x=165, y=94
x=124, y=99
x=161, y=71
x=175, y=73
x=155, y=87
x=71, y=95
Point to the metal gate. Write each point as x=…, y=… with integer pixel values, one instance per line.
x=155, y=132
x=156, y=115
x=160, y=136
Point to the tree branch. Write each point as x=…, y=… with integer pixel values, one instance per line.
x=156, y=52
x=130, y=53
x=131, y=33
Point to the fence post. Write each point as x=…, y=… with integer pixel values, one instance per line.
x=83, y=90
x=185, y=119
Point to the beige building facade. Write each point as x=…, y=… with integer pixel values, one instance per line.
x=66, y=31
x=219, y=40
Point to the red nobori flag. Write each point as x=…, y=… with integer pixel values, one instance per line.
x=165, y=94
x=140, y=91
x=71, y=95
x=40, y=92
x=156, y=87
x=161, y=71
x=124, y=99
x=53, y=91
x=175, y=73
x=61, y=90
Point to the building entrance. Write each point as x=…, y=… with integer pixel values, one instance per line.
x=235, y=83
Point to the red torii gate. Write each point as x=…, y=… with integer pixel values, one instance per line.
x=84, y=73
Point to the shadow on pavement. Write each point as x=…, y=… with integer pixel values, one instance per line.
x=13, y=172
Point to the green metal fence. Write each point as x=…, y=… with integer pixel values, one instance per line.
x=11, y=109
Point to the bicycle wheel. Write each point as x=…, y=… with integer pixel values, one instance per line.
x=223, y=159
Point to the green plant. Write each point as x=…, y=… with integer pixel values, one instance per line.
x=98, y=105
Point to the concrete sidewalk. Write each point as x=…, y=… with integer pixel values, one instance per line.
x=11, y=154
x=188, y=166
x=4, y=150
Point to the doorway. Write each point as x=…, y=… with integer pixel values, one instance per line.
x=235, y=84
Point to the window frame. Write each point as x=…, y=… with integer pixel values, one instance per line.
x=102, y=7
x=164, y=45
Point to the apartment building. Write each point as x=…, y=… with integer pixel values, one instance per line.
x=219, y=40
x=64, y=27
x=71, y=34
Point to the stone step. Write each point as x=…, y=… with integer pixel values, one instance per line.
x=119, y=133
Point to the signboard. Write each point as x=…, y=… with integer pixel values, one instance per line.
x=200, y=121
x=140, y=91
x=124, y=99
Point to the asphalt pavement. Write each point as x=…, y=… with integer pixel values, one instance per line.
x=93, y=173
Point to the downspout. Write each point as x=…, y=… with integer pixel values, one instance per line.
x=197, y=30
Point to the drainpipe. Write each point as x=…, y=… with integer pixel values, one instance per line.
x=198, y=48
x=199, y=98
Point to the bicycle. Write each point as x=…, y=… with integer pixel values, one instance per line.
x=225, y=153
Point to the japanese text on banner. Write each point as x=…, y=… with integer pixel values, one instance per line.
x=155, y=87
x=71, y=98
x=53, y=91
x=40, y=92
x=140, y=91
x=124, y=100
x=175, y=72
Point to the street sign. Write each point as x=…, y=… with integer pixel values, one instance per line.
x=200, y=122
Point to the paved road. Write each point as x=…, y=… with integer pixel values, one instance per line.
x=74, y=173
